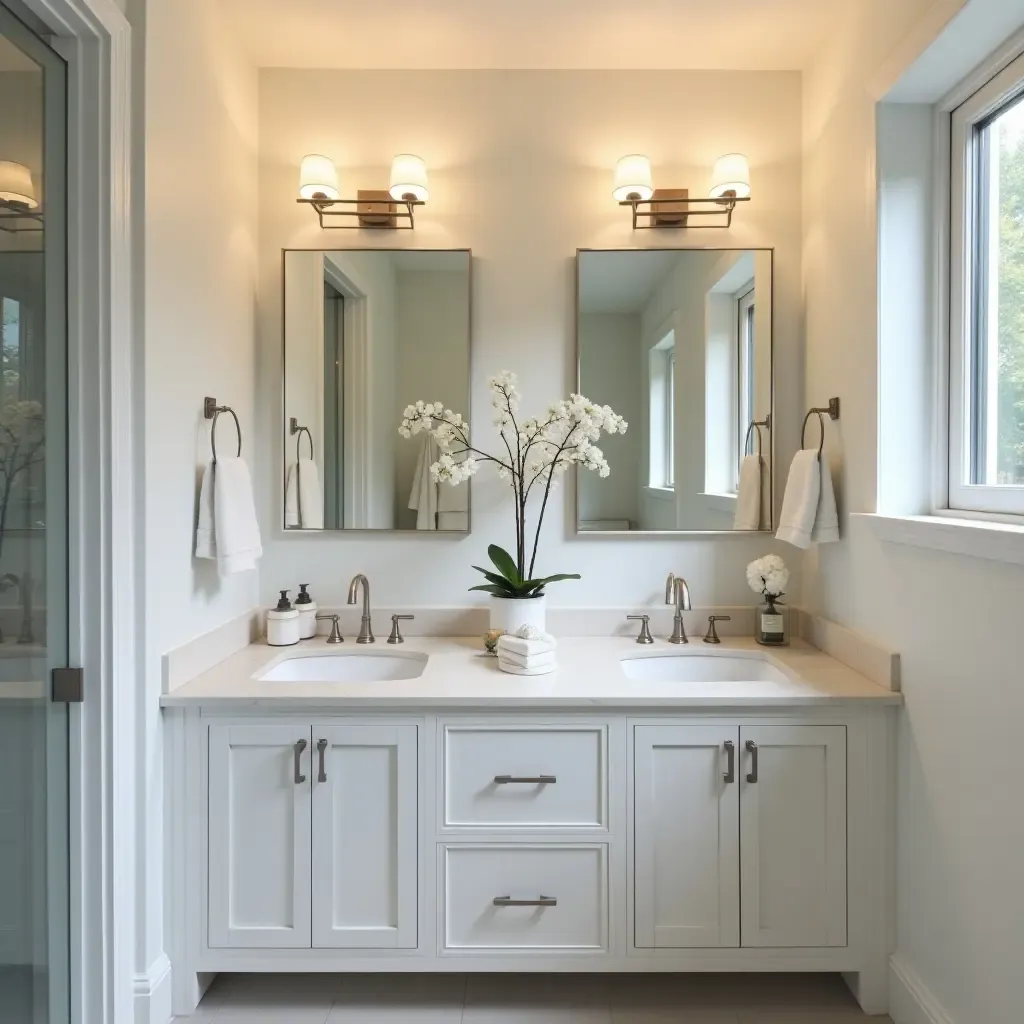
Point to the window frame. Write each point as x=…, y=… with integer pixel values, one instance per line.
x=963, y=496
x=746, y=301
x=661, y=386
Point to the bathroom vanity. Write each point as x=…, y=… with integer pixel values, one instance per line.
x=680, y=810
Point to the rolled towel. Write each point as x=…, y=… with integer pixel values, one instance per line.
x=517, y=670
x=530, y=661
x=748, y=498
x=800, y=505
x=526, y=648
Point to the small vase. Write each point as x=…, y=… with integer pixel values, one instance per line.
x=771, y=624
x=508, y=614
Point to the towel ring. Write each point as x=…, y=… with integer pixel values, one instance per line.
x=757, y=425
x=294, y=428
x=833, y=413
x=211, y=411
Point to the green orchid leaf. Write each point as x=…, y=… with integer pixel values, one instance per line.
x=493, y=577
x=497, y=591
x=540, y=583
x=505, y=564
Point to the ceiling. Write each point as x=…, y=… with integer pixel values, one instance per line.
x=767, y=35
x=622, y=281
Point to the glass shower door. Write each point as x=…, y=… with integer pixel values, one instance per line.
x=34, y=858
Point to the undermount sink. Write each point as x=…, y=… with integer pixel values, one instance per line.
x=701, y=668
x=354, y=667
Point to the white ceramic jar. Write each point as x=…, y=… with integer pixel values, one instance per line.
x=306, y=607
x=283, y=623
x=508, y=614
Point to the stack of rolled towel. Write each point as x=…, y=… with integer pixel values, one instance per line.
x=527, y=652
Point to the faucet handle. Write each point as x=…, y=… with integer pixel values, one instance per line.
x=396, y=634
x=711, y=637
x=335, y=637
x=645, y=629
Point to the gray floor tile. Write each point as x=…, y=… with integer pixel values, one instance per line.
x=536, y=1013
x=567, y=990
x=672, y=1015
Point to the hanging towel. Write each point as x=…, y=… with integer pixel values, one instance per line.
x=509, y=644
x=826, y=520
x=228, y=530
x=518, y=670
x=800, y=505
x=532, y=661
x=748, y=500
x=423, y=496
x=303, y=499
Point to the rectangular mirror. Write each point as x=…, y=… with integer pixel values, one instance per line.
x=679, y=342
x=366, y=333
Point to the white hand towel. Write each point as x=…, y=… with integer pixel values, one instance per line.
x=303, y=499
x=228, y=530
x=826, y=520
x=526, y=648
x=800, y=505
x=518, y=670
x=423, y=496
x=748, y=500
x=533, y=661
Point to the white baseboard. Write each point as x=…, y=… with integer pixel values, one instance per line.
x=152, y=993
x=910, y=1002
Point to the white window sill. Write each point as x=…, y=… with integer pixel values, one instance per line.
x=976, y=538
x=661, y=493
x=721, y=502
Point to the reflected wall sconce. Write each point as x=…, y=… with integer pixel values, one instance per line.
x=390, y=209
x=19, y=207
x=652, y=207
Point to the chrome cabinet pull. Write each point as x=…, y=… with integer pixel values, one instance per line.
x=529, y=780
x=321, y=746
x=752, y=747
x=541, y=901
x=300, y=746
x=730, y=752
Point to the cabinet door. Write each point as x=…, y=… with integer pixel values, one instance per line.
x=259, y=836
x=686, y=842
x=365, y=826
x=793, y=823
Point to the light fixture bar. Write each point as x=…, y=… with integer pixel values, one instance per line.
x=328, y=210
x=647, y=210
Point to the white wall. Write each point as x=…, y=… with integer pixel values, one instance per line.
x=955, y=620
x=200, y=241
x=523, y=193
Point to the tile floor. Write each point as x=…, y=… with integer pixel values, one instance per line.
x=528, y=999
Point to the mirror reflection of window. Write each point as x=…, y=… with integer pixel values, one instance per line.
x=678, y=341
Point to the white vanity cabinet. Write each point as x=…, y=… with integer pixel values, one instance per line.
x=312, y=833
x=739, y=836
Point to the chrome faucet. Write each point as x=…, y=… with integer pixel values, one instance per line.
x=678, y=593
x=365, y=629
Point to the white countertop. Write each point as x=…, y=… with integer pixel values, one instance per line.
x=460, y=674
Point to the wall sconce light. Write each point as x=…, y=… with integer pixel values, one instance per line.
x=674, y=207
x=19, y=208
x=372, y=208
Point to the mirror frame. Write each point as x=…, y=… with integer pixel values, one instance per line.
x=283, y=478
x=623, y=534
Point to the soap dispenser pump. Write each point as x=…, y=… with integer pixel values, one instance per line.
x=283, y=623
x=306, y=607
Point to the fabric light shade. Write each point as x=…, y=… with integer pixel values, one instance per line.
x=731, y=177
x=318, y=178
x=409, y=178
x=633, y=178
x=16, y=184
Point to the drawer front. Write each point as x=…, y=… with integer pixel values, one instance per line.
x=526, y=899
x=525, y=777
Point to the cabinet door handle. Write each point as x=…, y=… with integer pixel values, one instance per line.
x=530, y=780
x=300, y=746
x=540, y=901
x=730, y=753
x=752, y=747
x=321, y=746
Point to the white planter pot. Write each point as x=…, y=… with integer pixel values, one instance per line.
x=508, y=614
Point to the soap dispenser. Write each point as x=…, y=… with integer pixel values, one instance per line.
x=283, y=623
x=306, y=607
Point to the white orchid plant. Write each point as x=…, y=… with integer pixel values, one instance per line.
x=537, y=451
x=769, y=577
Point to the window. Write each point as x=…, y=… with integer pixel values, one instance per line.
x=986, y=366
x=744, y=370
x=662, y=377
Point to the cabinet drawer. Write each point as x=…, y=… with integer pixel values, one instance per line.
x=524, y=777
x=526, y=898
